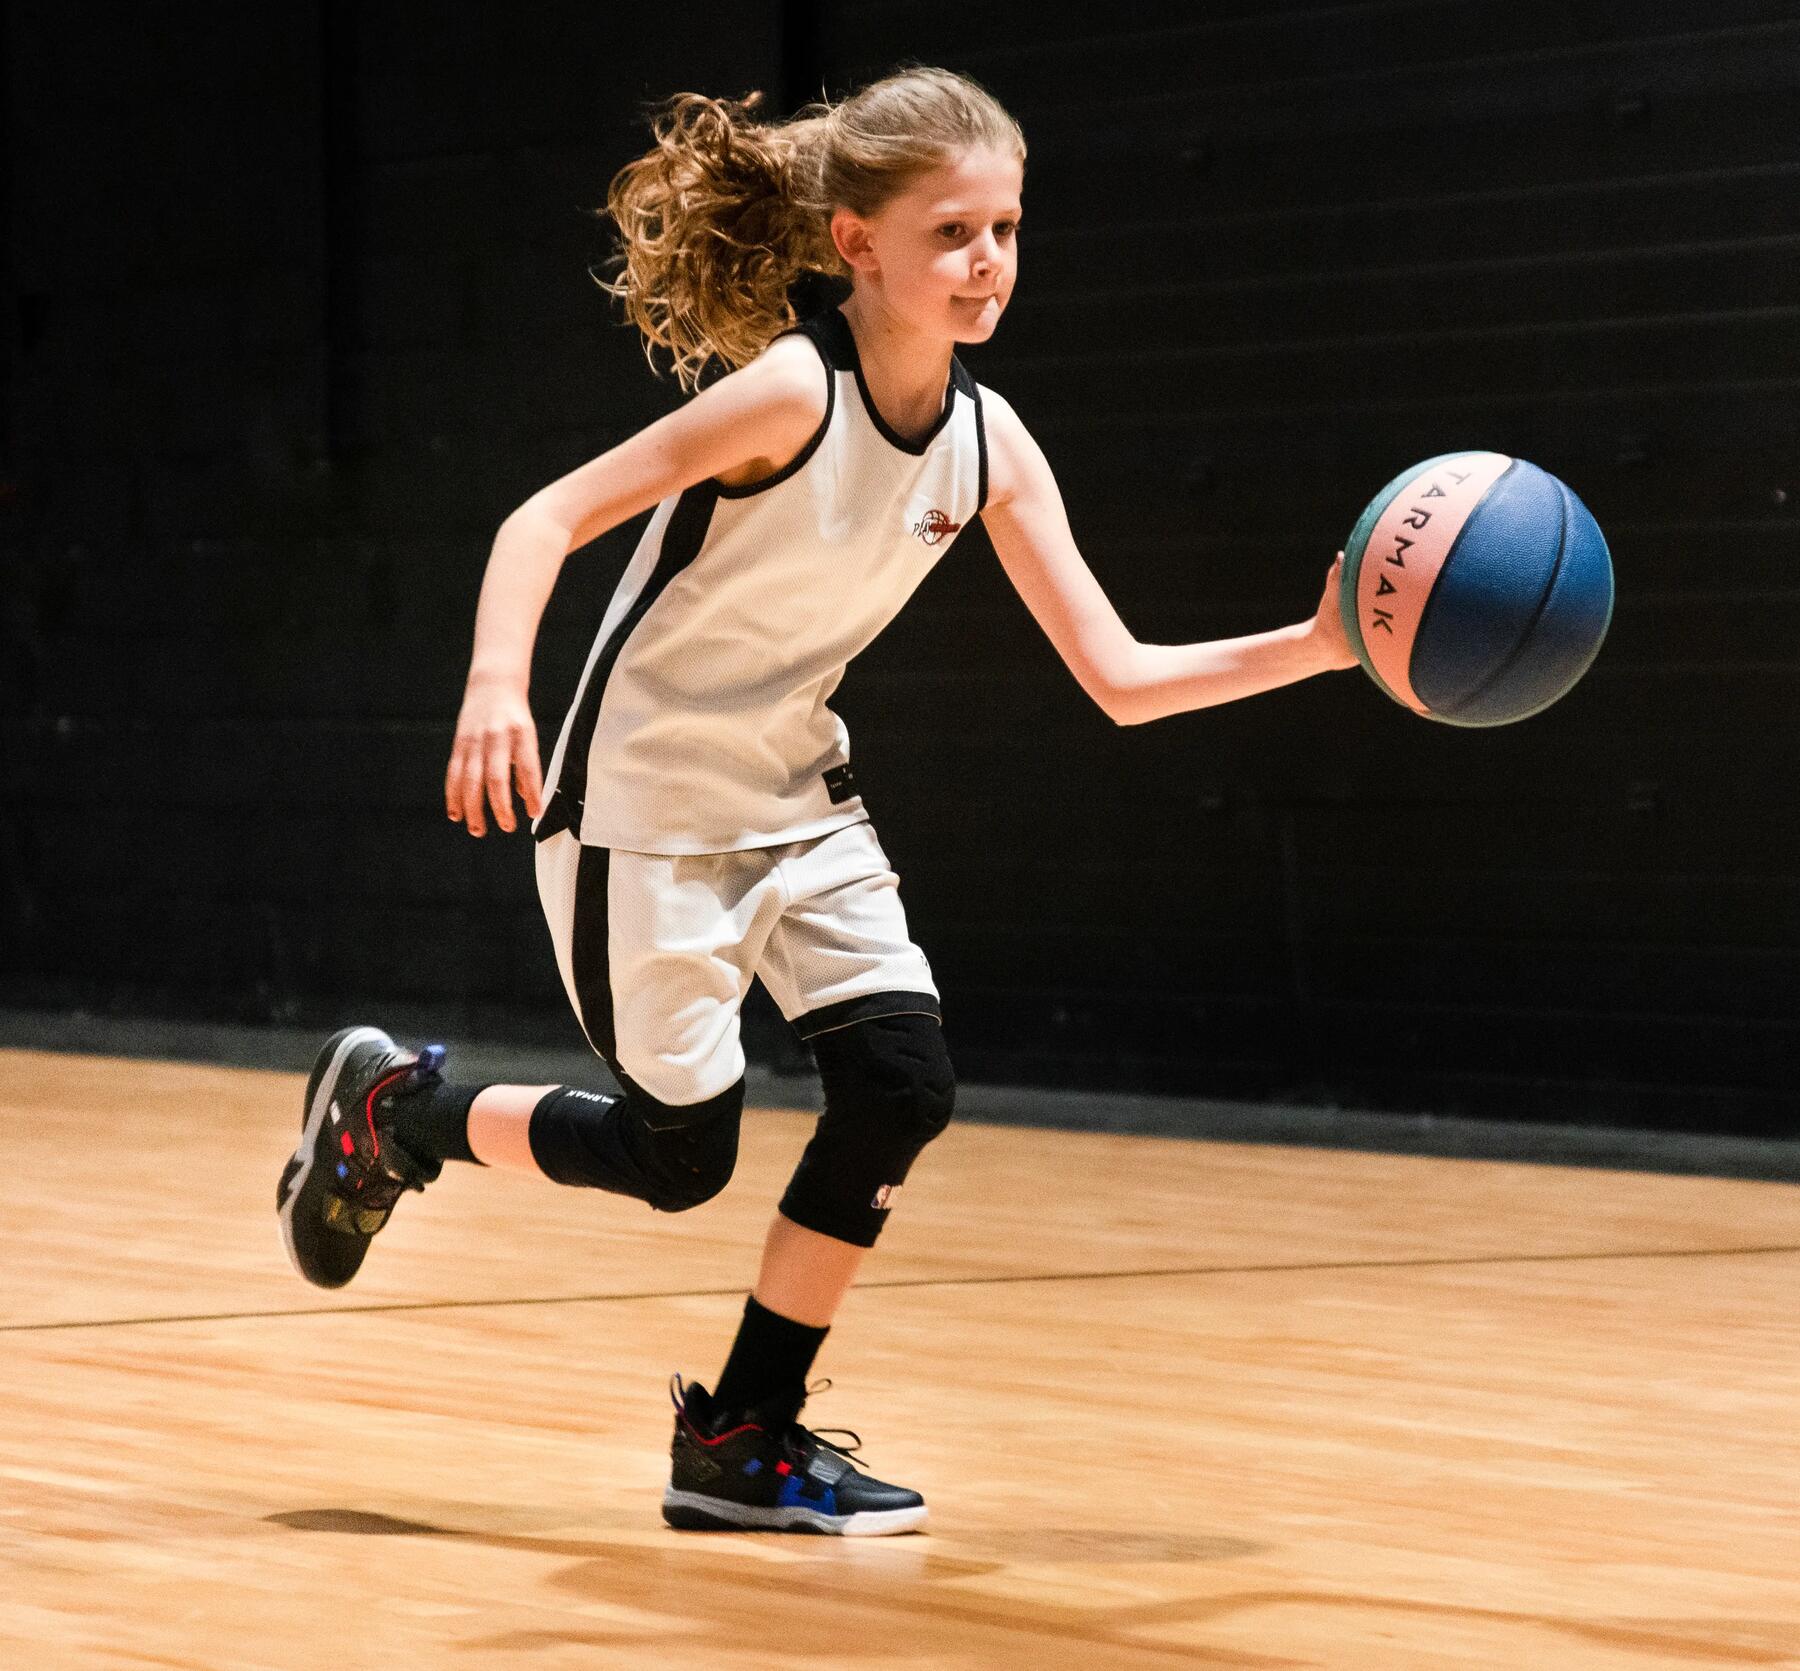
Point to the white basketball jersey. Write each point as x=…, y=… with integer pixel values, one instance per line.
x=700, y=724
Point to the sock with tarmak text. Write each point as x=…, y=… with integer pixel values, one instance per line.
x=769, y=1362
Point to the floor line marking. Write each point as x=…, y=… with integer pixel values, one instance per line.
x=1441, y=1263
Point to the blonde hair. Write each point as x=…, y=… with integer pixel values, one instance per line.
x=718, y=221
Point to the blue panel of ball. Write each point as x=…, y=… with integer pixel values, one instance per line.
x=1567, y=634
x=1490, y=588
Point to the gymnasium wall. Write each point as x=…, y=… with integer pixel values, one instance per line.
x=298, y=311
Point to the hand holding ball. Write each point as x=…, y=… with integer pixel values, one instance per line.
x=1476, y=589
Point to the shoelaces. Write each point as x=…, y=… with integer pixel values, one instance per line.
x=797, y=1441
x=395, y=1170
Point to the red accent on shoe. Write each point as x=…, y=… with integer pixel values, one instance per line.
x=369, y=1105
x=349, y=1147
x=783, y=1468
x=718, y=1439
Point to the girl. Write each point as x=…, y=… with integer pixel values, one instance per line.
x=703, y=823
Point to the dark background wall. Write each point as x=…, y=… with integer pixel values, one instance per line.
x=297, y=310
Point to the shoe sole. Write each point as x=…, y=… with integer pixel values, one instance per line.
x=690, y=1511
x=319, y=1089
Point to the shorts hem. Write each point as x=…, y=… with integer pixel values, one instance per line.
x=849, y=1011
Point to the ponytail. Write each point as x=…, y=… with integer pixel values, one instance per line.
x=715, y=225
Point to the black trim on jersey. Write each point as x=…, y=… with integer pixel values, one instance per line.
x=811, y=446
x=981, y=482
x=834, y=335
x=866, y=1008
x=681, y=542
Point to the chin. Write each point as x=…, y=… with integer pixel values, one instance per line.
x=977, y=330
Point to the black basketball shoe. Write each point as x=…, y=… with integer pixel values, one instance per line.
x=348, y=1172
x=735, y=1472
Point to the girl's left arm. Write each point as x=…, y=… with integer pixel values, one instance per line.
x=1132, y=682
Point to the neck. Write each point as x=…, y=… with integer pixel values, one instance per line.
x=906, y=370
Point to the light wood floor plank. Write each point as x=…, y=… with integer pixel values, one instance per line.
x=1172, y=1403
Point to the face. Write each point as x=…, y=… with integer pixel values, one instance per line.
x=942, y=257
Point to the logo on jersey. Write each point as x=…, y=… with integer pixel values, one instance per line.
x=934, y=526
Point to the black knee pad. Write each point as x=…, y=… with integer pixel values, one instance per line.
x=889, y=1090
x=689, y=1152
x=674, y=1158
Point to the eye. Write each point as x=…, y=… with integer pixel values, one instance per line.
x=951, y=229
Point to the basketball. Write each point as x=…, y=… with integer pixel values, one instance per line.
x=1476, y=589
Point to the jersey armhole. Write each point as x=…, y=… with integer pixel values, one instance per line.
x=799, y=459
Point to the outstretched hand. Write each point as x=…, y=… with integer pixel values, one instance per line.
x=496, y=745
x=1327, y=626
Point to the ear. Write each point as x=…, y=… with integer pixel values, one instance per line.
x=850, y=233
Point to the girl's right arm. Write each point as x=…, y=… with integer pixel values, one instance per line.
x=764, y=413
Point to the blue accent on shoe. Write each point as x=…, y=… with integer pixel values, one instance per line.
x=753, y=1466
x=791, y=1494
x=431, y=1058
x=343, y=1170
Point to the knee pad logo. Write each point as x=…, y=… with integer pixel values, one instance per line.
x=884, y=1197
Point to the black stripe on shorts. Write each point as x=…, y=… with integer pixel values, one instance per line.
x=589, y=961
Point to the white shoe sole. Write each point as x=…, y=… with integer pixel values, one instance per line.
x=692, y=1506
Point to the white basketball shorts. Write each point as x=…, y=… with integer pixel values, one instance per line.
x=657, y=950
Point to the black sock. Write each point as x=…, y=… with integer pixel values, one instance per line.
x=433, y=1121
x=768, y=1363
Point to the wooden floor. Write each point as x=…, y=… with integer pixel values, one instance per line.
x=1171, y=1403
